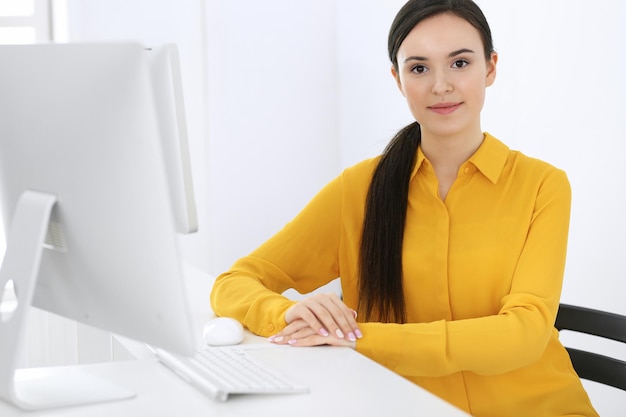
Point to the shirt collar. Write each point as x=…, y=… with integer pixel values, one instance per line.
x=489, y=159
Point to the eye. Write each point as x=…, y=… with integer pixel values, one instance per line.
x=419, y=69
x=460, y=63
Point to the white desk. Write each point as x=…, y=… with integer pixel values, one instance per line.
x=342, y=383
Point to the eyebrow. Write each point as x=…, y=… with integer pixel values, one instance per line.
x=450, y=55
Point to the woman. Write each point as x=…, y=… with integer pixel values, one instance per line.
x=450, y=247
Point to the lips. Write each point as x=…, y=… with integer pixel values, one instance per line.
x=445, y=108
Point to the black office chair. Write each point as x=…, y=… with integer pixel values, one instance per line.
x=592, y=366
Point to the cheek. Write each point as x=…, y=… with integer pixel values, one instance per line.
x=480, y=95
x=473, y=89
x=414, y=92
x=417, y=104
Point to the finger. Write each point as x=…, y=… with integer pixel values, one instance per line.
x=304, y=333
x=317, y=340
x=285, y=334
x=336, y=317
x=305, y=310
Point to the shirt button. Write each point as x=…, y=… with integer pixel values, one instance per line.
x=467, y=170
x=270, y=327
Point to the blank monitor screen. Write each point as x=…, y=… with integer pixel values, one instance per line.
x=79, y=122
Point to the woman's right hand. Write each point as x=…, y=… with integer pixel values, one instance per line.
x=326, y=315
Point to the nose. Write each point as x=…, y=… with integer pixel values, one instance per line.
x=442, y=84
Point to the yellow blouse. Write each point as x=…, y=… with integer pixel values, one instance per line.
x=482, y=279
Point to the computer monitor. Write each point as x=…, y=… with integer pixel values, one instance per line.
x=94, y=185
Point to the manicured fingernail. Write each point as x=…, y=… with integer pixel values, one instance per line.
x=276, y=339
x=292, y=342
x=271, y=338
x=351, y=337
x=339, y=333
x=358, y=333
x=323, y=332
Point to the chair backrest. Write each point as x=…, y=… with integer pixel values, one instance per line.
x=592, y=366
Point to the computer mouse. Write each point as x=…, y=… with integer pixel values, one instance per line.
x=222, y=331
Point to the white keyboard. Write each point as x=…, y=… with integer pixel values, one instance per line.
x=221, y=371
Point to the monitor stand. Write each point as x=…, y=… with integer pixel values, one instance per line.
x=38, y=388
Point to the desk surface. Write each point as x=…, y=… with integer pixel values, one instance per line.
x=342, y=383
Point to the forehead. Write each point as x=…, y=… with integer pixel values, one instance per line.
x=440, y=35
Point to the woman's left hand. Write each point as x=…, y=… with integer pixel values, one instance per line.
x=299, y=333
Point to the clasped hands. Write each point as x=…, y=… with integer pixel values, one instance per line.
x=321, y=319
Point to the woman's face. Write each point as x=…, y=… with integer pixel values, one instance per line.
x=443, y=73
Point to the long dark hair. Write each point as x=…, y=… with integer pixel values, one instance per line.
x=381, y=296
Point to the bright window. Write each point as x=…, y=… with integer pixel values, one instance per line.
x=17, y=7
x=17, y=35
x=24, y=21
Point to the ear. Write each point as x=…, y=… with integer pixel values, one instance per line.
x=491, y=69
x=396, y=76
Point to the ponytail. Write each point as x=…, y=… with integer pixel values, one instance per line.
x=381, y=297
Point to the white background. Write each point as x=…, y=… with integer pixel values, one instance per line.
x=281, y=95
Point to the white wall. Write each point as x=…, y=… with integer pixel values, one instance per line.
x=283, y=94
x=272, y=116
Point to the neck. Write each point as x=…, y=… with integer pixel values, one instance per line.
x=449, y=152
